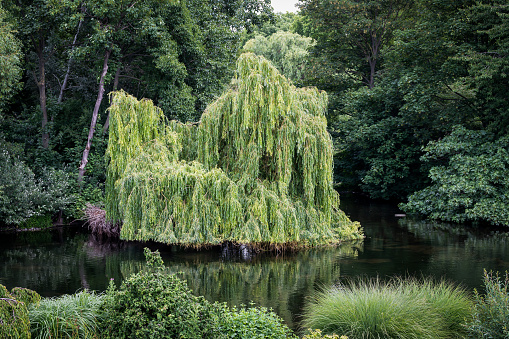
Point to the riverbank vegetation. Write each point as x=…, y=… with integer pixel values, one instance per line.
x=156, y=302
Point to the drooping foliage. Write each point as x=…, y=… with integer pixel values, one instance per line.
x=256, y=169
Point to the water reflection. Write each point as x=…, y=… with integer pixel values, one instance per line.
x=67, y=259
x=405, y=247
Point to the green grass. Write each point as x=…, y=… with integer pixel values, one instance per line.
x=400, y=308
x=68, y=316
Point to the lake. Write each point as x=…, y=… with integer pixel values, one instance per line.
x=64, y=260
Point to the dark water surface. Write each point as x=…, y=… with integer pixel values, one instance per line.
x=64, y=260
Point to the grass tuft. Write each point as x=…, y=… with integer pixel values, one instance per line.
x=68, y=316
x=400, y=308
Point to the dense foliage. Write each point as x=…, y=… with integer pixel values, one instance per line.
x=257, y=169
x=399, y=75
x=472, y=185
x=405, y=74
x=58, y=58
x=287, y=51
x=24, y=198
x=10, y=60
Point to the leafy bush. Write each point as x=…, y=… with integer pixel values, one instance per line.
x=37, y=221
x=490, y=317
x=469, y=182
x=154, y=304
x=252, y=323
x=14, y=321
x=29, y=297
x=23, y=196
x=397, y=309
x=68, y=316
x=317, y=334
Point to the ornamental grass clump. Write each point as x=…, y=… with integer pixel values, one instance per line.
x=256, y=169
x=67, y=316
x=396, y=309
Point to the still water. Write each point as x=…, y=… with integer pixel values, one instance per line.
x=68, y=259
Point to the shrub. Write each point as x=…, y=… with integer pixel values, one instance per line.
x=155, y=304
x=472, y=185
x=23, y=196
x=397, y=309
x=37, y=221
x=25, y=295
x=14, y=321
x=490, y=318
x=68, y=316
x=252, y=323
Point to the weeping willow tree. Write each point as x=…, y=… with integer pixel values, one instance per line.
x=256, y=169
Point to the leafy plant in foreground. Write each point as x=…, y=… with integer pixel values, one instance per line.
x=14, y=321
x=252, y=323
x=490, y=317
x=155, y=304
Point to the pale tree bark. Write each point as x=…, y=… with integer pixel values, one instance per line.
x=115, y=87
x=95, y=113
x=66, y=78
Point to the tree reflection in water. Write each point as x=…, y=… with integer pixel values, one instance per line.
x=66, y=261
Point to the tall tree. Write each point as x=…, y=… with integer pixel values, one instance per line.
x=351, y=34
x=115, y=27
x=10, y=59
x=287, y=51
x=257, y=169
x=38, y=22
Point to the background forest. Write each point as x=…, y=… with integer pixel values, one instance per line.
x=417, y=92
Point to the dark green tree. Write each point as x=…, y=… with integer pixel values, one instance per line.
x=10, y=60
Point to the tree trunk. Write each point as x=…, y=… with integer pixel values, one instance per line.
x=41, y=84
x=115, y=87
x=84, y=160
x=66, y=78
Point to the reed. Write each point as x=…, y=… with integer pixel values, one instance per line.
x=400, y=308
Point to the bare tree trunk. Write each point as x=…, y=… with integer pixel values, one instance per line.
x=84, y=160
x=115, y=87
x=66, y=78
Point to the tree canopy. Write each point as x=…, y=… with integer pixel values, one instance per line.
x=256, y=169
